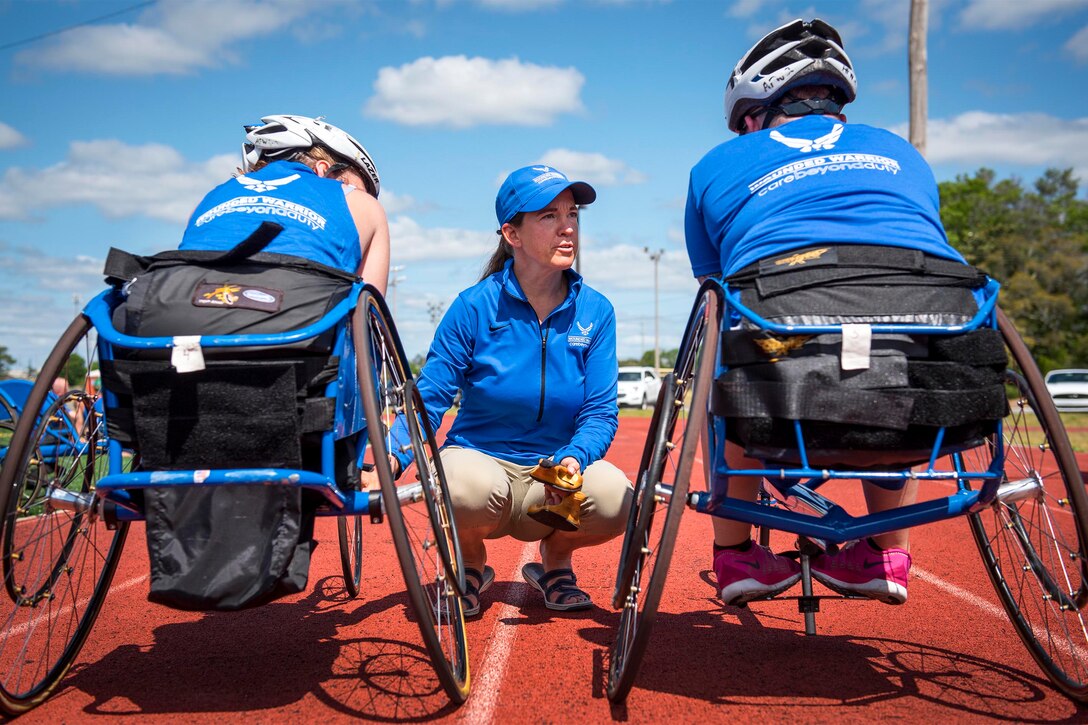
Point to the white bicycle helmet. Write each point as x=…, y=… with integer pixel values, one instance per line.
x=797, y=54
x=281, y=137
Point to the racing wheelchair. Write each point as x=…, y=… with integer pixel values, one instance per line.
x=1015, y=477
x=268, y=402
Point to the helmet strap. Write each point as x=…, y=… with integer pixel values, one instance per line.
x=801, y=107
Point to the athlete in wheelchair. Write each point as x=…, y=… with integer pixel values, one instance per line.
x=838, y=336
x=248, y=380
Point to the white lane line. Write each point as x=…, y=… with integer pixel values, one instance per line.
x=48, y=615
x=486, y=687
x=956, y=591
x=1069, y=647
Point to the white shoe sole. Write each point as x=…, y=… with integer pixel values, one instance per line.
x=881, y=590
x=749, y=590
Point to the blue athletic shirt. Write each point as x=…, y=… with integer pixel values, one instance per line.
x=317, y=224
x=530, y=389
x=815, y=180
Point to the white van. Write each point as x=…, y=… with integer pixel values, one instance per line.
x=638, y=386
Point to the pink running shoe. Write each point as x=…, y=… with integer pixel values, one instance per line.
x=757, y=573
x=860, y=569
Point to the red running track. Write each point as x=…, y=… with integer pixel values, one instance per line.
x=949, y=654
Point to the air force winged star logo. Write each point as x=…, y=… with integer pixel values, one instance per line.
x=804, y=145
x=584, y=330
x=261, y=185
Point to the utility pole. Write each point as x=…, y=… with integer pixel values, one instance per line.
x=394, y=280
x=655, y=257
x=916, y=60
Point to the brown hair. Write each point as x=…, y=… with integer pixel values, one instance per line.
x=310, y=157
x=503, y=251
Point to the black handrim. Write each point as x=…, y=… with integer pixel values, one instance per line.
x=429, y=560
x=673, y=453
x=64, y=454
x=43, y=628
x=1033, y=549
x=349, y=529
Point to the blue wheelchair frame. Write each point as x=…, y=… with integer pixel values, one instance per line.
x=834, y=525
x=117, y=485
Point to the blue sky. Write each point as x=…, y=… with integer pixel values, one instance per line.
x=110, y=132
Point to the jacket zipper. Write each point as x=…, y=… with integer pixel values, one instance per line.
x=543, y=368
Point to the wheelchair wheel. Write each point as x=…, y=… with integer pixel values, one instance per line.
x=349, y=530
x=64, y=454
x=417, y=503
x=1034, y=537
x=58, y=556
x=676, y=429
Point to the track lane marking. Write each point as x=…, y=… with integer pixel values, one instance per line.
x=992, y=609
x=23, y=627
x=480, y=708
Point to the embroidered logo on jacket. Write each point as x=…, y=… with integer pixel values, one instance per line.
x=582, y=340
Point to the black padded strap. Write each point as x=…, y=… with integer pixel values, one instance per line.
x=561, y=582
x=261, y=237
x=121, y=266
x=793, y=401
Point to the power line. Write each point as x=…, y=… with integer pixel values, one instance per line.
x=100, y=18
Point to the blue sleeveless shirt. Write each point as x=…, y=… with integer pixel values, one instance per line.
x=317, y=224
x=815, y=180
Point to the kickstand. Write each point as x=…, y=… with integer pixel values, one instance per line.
x=807, y=604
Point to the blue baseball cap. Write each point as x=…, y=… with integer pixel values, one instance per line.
x=532, y=188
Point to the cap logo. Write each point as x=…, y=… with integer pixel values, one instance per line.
x=547, y=176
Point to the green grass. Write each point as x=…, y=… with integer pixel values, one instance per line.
x=636, y=413
x=1076, y=425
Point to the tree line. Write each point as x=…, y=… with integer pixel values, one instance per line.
x=1034, y=241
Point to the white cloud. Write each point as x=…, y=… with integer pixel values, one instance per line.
x=462, y=92
x=627, y=267
x=9, y=137
x=595, y=168
x=1077, y=46
x=412, y=242
x=744, y=8
x=120, y=180
x=1028, y=139
x=1011, y=15
x=39, y=293
x=174, y=37
x=394, y=203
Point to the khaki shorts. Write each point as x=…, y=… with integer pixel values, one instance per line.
x=495, y=495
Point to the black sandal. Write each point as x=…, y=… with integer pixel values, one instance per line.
x=557, y=581
x=476, y=583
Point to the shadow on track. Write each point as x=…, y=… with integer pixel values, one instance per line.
x=272, y=657
x=740, y=657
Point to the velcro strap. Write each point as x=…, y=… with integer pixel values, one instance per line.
x=318, y=415
x=793, y=401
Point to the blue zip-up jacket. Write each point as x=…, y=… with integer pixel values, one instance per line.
x=530, y=389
